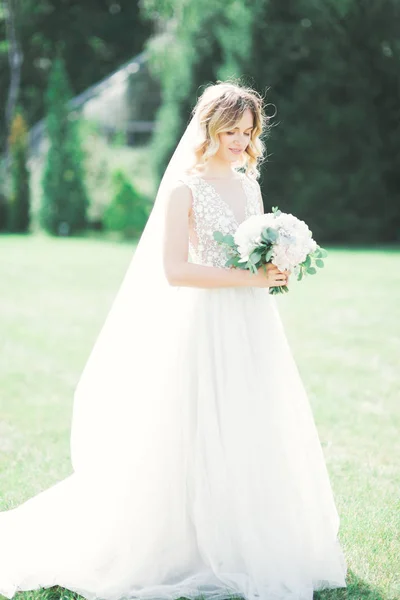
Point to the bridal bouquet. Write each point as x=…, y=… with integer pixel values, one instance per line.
x=278, y=238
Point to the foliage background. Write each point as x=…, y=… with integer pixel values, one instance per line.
x=329, y=67
x=93, y=37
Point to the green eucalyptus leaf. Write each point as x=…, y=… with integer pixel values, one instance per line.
x=218, y=237
x=255, y=256
x=252, y=268
x=264, y=236
x=281, y=289
x=320, y=263
x=268, y=255
x=230, y=241
x=272, y=234
x=311, y=270
x=231, y=262
x=307, y=262
x=242, y=266
x=227, y=240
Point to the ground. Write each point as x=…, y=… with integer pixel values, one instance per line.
x=344, y=328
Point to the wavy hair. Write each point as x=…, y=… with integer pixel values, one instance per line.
x=219, y=109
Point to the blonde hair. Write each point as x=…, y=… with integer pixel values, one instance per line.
x=219, y=109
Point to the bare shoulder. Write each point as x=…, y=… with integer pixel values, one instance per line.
x=254, y=182
x=179, y=195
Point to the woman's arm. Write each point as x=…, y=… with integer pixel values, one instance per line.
x=180, y=272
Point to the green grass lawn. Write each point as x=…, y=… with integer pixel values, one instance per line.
x=344, y=328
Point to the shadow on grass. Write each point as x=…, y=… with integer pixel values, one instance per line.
x=356, y=589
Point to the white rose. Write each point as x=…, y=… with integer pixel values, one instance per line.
x=248, y=236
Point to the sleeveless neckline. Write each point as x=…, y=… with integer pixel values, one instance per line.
x=220, y=198
x=211, y=212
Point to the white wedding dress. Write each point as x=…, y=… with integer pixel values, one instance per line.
x=223, y=490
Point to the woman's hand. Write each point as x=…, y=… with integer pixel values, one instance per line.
x=273, y=277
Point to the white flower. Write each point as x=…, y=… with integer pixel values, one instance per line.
x=292, y=247
x=294, y=243
x=248, y=234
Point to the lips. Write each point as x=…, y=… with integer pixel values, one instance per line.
x=236, y=151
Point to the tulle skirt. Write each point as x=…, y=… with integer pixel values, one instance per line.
x=219, y=488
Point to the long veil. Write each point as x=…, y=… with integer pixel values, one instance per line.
x=130, y=351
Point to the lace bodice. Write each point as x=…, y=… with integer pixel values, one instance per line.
x=212, y=213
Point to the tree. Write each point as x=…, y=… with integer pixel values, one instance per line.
x=96, y=38
x=331, y=70
x=199, y=43
x=65, y=201
x=333, y=81
x=3, y=201
x=127, y=213
x=18, y=214
x=14, y=58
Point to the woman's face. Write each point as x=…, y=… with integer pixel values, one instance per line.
x=234, y=142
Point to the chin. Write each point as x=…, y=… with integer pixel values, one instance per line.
x=238, y=162
x=232, y=160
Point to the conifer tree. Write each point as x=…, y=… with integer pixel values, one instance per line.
x=128, y=212
x=18, y=213
x=65, y=200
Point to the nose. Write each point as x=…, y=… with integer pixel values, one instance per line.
x=239, y=138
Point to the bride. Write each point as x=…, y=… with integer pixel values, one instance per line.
x=197, y=468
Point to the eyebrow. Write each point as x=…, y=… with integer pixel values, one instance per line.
x=252, y=127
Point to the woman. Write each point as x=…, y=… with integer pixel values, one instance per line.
x=197, y=468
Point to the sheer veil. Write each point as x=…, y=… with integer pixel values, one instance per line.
x=113, y=399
